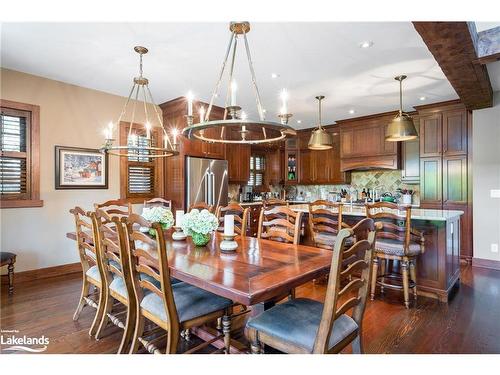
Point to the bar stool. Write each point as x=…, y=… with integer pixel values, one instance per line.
x=396, y=241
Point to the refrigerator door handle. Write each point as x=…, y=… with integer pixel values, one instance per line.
x=205, y=180
x=212, y=177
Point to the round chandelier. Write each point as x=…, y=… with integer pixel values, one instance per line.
x=401, y=128
x=320, y=138
x=235, y=127
x=140, y=140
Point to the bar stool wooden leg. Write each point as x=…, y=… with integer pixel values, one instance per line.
x=384, y=263
x=413, y=277
x=374, y=277
x=406, y=277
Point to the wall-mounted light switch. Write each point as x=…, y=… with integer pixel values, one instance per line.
x=494, y=248
x=495, y=193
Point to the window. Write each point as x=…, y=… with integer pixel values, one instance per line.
x=140, y=176
x=19, y=155
x=257, y=169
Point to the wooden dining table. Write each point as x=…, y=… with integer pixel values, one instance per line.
x=256, y=272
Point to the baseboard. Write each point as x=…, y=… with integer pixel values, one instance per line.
x=44, y=273
x=486, y=263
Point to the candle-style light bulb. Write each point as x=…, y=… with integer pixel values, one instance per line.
x=202, y=114
x=190, y=97
x=284, y=101
x=175, y=132
x=234, y=88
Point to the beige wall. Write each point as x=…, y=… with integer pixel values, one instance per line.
x=486, y=176
x=69, y=116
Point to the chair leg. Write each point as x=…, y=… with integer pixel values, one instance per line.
x=291, y=296
x=374, y=277
x=138, y=332
x=172, y=340
x=99, y=313
x=129, y=330
x=357, y=345
x=384, y=263
x=10, y=269
x=81, y=303
x=406, y=292
x=108, y=307
x=226, y=329
x=413, y=277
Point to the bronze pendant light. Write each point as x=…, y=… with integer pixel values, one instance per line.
x=401, y=128
x=320, y=138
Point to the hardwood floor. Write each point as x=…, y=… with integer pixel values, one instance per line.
x=468, y=324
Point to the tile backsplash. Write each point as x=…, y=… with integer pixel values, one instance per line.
x=383, y=180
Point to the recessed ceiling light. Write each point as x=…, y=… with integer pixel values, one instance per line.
x=264, y=110
x=352, y=111
x=366, y=44
x=299, y=121
x=274, y=75
x=422, y=98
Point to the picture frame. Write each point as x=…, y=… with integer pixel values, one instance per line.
x=80, y=168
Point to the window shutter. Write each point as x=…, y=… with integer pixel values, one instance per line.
x=141, y=179
x=14, y=162
x=257, y=167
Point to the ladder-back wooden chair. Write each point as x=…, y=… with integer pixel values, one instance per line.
x=396, y=241
x=308, y=326
x=325, y=222
x=117, y=277
x=240, y=217
x=114, y=207
x=91, y=267
x=280, y=224
x=172, y=307
x=158, y=202
x=200, y=206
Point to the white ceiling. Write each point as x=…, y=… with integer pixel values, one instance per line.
x=310, y=58
x=481, y=26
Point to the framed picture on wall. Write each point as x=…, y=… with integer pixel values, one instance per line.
x=81, y=168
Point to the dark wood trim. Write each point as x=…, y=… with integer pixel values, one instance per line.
x=453, y=45
x=486, y=263
x=487, y=59
x=33, y=158
x=44, y=273
x=438, y=107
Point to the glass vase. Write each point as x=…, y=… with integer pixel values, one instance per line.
x=200, y=239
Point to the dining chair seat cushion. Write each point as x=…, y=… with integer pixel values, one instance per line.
x=297, y=322
x=93, y=271
x=5, y=256
x=393, y=247
x=330, y=239
x=191, y=302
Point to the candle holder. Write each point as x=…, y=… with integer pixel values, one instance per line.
x=178, y=235
x=228, y=245
x=189, y=119
x=233, y=111
x=284, y=117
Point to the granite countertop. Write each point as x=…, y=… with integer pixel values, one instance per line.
x=416, y=213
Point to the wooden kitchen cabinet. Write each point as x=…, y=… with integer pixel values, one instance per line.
x=363, y=144
x=455, y=179
x=431, y=184
x=238, y=163
x=212, y=150
x=410, y=158
x=274, y=161
x=454, y=132
x=306, y=167
x=431, y=141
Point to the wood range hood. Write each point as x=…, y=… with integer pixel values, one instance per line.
x=363, y=146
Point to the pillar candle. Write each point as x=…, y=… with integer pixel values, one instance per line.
x=179, y=216
x=229, y=225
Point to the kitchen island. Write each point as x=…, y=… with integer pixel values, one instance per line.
x=438, y=268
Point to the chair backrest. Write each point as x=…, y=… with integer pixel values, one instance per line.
x=148, y=255
x=325, y=218
x=200, y=206
x=112, y=247
x=240, y=217
x=273, y=202
x=280, y=224
x=396, y=223
x=347, y=289
x=158, y=202
x=115, y=207
x=85, y=240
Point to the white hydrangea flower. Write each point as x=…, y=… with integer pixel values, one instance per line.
x=199, y=222
x=160, y=215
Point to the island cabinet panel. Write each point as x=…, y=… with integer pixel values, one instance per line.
x=238, y=163
x=363, y=145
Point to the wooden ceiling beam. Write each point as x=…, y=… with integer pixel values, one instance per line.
x=453, y=45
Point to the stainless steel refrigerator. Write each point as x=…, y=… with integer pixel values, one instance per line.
x=206, y=181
